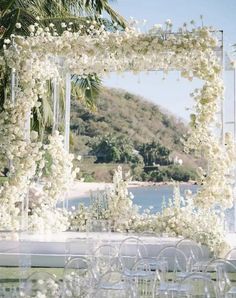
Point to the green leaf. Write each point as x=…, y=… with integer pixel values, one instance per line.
x=5, y=6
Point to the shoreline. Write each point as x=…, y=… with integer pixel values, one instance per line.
x=82, y=189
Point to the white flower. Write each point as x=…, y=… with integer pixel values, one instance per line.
x=33, y=135
x=18, y=25
x=168, y=22
x=158, y=26
x=31, y=28
x=63, y=25
x=7, y=41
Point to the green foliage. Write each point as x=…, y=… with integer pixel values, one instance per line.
x=124, y=122
x=154, y=153
x=88, y=177
x=114, y=149
x=121, y=113
x=86, y=89
x=3, y=180
x=172, y=172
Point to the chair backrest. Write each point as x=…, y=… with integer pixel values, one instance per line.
x=78, y=278
x=42, y=283
x=150, y=238
x=197, y=285
x=231, y=254
x=191, y=249
x=133, y=246
x=228, y=264
x=225, y=271
x=175, y=259
x=106, y=250
x=131, y=249
x=106, y=259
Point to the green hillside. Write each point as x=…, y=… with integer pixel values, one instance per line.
x=134, y=121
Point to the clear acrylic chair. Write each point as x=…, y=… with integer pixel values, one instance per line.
x=176, y=259
x=176, y=266
x=151, y=240
x=41, y=283
x=224, y=272
x=78, y=278
x=193, y=253
x=113, y=284
x=131, y=249
x=145, y=277
x=105, y=258
x=197, y=285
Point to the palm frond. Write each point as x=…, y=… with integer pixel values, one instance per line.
x=5, y=5
x=47, y=112
x=9, y=21
x=115, y=16
x=87, y=89
x=98, y=6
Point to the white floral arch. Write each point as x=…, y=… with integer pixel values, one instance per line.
x=35, y=60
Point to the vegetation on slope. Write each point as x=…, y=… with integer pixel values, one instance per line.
x=127, y=129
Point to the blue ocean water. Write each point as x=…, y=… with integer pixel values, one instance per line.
x=146, y=196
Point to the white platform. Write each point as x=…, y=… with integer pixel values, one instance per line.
x=53, y=250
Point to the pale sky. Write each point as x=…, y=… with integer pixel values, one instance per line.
x=172, y=93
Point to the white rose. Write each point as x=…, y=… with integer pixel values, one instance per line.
x=31, y=28
x=18, y=25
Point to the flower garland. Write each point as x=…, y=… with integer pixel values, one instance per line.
x=179, y=218
x=182, y=218
x=100, y=51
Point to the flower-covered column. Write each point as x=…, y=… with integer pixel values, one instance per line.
x=55, y=103
x=67, y=111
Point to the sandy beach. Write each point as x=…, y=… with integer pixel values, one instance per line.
x=82, y=189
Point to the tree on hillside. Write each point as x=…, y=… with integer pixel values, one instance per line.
x=154, y=153
x=114, y=149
